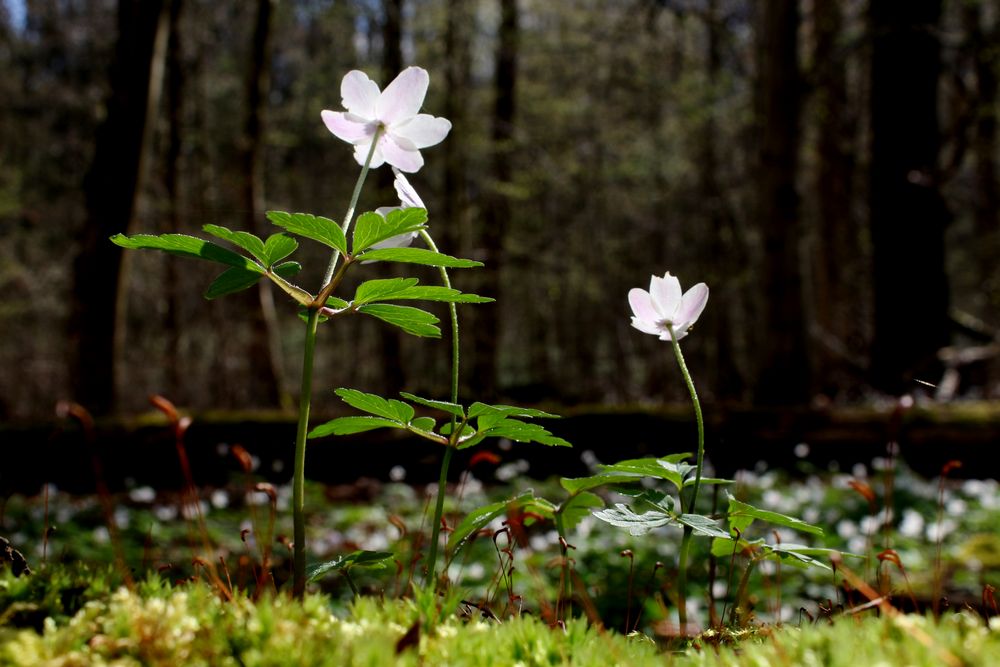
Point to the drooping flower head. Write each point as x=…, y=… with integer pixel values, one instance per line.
x=395, y=110
x=663, y=307
x=408, y=198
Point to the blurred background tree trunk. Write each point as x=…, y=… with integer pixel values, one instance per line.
x=835, y=255
x=393, y=373
x=171, y=222
x=783, y=375
x=496, y=211
x=111, y=189
x=265, y=341
x=908, y=214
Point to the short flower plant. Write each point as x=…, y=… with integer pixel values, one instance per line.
x=387, y=128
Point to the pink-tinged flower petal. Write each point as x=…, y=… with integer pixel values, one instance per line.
x=361, y=154
x=345, y=126
x=359, y=94
x=692, y=303
x=406, y=160
x=642, y=306
x=677, y=335
x=423, y=130
x=645, y=327
x=407, y=195
x=666, y=293
x=403, y=98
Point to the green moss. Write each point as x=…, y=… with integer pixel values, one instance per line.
x=160, y=624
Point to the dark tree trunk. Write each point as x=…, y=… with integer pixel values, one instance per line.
x=784, y=374
x=265, y=341
x=497, y=210
x=728, y=381
x=111, y=188
x=908, y=214
x=984, y=139
x=171, y=179
x=393, y=374
x=835, y=257
x=448, y=228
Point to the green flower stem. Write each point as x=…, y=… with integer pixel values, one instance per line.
x=682, y=580
x=349, y=215
x=698, y=418
x=305, y=397
x=686, y=540
x=565, y=599
x=450, y=450
x=299, y=476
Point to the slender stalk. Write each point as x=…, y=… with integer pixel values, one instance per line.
x=686, y=540
x=450, y=450
x=565, y=598
x=349, y=215
x=698, y=418
x=305, y=397
x=299, y=477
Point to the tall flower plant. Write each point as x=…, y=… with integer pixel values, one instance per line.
x=384, y=127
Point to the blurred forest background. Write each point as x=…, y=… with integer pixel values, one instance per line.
x=828, y=168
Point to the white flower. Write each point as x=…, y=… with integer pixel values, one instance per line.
x=404, y=131
x=408, y=198
x=663, y=307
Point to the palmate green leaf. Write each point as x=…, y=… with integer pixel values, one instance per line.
x=481, y=517
x=413, y=321
x=664, y=468
x=707, y=480
x=580, y=484
x=578, y=507
x=703, y=525
x=490, y=415
x=791, y=554
x=186, y=246
x=741, y=515
x=310, y=226
x=444, y=406
x=622, y=516
x=520, y=431
x=424, y=423
x=376, y=405
x=371, y=228
x=249, y=242
x=381, y=289
x=278, y=247
x=230, y=281
x=399, y=289
x=370, y=559
x=352, y=425
x=417, y=256
x=235, y=280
